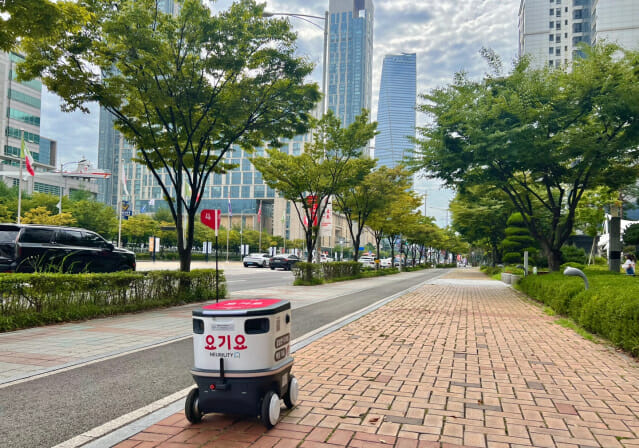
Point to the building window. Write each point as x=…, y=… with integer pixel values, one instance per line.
x=550, y=63
x=28, y=136
x=558, y=38
x=11, y=151
x=46, y=188
x=552, y=11
x=24, y=98
x=557, y=51
x=551, y=37
x=552, y=25
x=23, y=117
x=551, y=50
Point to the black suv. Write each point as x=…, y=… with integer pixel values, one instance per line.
x=39, y=248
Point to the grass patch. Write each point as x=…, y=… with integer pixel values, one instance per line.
x=568, y=323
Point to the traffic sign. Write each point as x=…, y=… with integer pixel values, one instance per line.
x=211, y=218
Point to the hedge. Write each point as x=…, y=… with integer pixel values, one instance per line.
x=314, y=274
x=610, y=308
x=28, y=300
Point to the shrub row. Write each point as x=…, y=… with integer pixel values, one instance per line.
x=314, y=274
x=610, y=308
x=28, y=300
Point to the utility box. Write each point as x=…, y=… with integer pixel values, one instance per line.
x=242, y=360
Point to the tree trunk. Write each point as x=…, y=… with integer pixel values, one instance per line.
x=554, y=260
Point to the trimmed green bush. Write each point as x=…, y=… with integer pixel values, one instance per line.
x=315, y=274
x=28, y=300
x=573, y=254
x=610, y=308
x=572, y=264
x=490, y=271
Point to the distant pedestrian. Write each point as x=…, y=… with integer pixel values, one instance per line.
x=629, y=264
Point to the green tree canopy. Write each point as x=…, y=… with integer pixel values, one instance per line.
x=479, y=215
x=541, y=136
x=183, y=89
x=328, y=164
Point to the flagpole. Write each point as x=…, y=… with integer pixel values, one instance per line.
x=119, y=203
x=259, y=218
x=228, y=230
x=20, y=176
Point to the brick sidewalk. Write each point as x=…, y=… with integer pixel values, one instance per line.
x=461, y=362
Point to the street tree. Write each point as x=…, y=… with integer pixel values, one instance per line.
x=328, y=164
x=33, y=18
x=40, y=215
x=138, y=228
x=358, y=200
x=479, y=214
x=394, y=219
x=184, y=89
x=541, y=136
x=94, y=216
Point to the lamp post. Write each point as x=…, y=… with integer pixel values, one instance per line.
x=64, y=183
x=306, y=17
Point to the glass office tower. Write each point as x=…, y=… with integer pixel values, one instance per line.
x=350, y=58
x=396, y=109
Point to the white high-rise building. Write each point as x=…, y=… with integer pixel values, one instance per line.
x=550, y=30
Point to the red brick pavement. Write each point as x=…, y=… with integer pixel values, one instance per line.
x=456, y=364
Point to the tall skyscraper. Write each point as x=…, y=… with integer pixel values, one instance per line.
x=350, y=58
x=551, y=30
x=396, y=109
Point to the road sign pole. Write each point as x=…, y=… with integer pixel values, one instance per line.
x=217, y=273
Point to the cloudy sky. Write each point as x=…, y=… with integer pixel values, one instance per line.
x=445, y=34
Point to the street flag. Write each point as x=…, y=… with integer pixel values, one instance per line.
x=59, y=205
x=126, y=190
x=28, y=159
x=151, y=202
x=259, y=213
x=229, y=205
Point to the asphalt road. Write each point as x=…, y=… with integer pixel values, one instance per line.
x=49, y=410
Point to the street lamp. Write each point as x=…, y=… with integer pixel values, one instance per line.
x=306, y=17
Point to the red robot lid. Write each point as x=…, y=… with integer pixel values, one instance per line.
x=239, y=307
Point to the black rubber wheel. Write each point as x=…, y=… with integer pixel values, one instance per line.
x=191, y=406
x=263, y=264
x=270, y=409
x=290, y=398
x=245, y=265
x=272, y=268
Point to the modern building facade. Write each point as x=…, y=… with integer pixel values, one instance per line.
x=350, y=58
x=550, y=31
x=22, y=102
x=396, y=109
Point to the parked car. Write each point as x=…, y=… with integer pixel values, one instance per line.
x=40, y=248
x=385, y=263
x=367, y=261
x=285, y=261
x=325, y=258
x=259, y=260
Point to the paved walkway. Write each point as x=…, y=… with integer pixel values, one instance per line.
x=465, y=361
